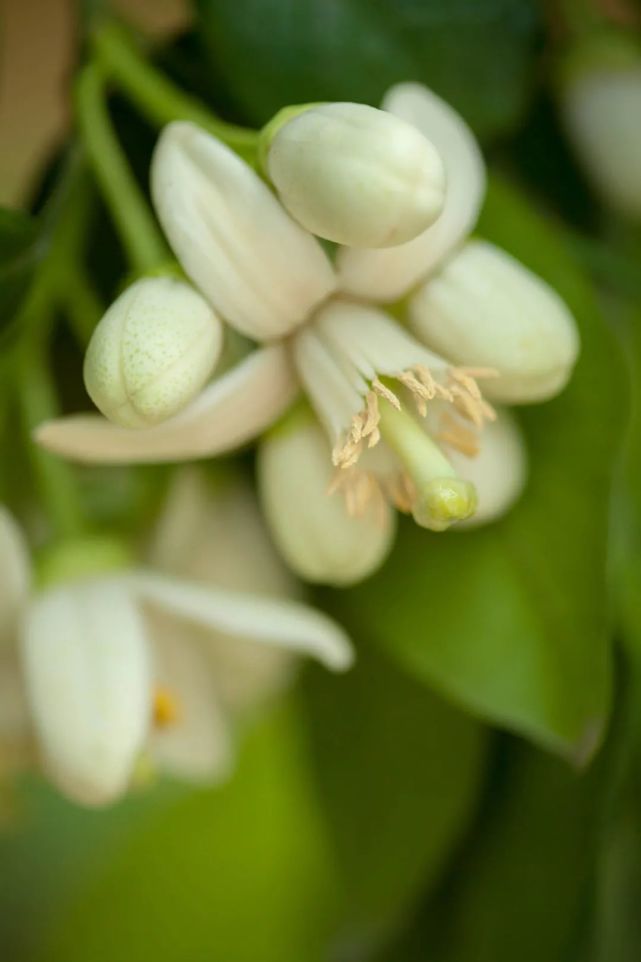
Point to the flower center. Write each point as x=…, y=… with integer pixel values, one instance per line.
x=166, y=710
x=460, y=389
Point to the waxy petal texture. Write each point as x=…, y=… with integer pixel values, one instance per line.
x=388, y=274
x=256, y=266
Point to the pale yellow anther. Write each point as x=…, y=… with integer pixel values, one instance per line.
x=458, y=436
x=383, y=391
x=166, y=707
x=362, y=492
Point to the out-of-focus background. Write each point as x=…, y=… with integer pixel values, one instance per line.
x=37, y=47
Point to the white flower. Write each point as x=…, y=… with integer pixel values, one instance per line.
x=152, y=352
x=366, y=377
x=601, y=106
x=353, y=174
x=324, y=539
x=119, y=663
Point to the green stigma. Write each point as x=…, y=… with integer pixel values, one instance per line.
x=441, y=498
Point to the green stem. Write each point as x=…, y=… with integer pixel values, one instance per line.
x=82, y=305
x=37, y=396
x=156, y=96
x=129, y=209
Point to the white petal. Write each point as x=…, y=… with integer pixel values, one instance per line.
x=342, y=349
x=257, y=267
x=318, y=538
x=233, y=409
x=15, y=572
x=87, y=672
x=485, y=309
x=288, y=624
x=498, y=471
x=196, y=745
x=387, y=274
x=212, y=530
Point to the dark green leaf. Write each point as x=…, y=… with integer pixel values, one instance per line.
x=477, y=53
x=20, y=252
x=523, y=887
x=511, y=620
x=398, y=773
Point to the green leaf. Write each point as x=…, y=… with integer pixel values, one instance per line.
x=478, y=55
x=237, y=873
x=511, y=621
x=20, y=252
x=398, y=774
x=523, y=886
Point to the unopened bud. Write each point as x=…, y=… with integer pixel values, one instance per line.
x=601, y=105
x=316, y=534
x=152, y=352
x=484, y=309
x=354, y=174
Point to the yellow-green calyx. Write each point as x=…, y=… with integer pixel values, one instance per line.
x=272, y=127
x=84, y=557
x=440, y=497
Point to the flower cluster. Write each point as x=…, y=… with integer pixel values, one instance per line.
x=400, y=341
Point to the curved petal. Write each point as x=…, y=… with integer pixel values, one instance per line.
x=287, y=624
x=15, y=572
x=87, y=673
x=196, y=745
x=256, y=266
x=389, y=273
x=233, y=409
x=334, y=538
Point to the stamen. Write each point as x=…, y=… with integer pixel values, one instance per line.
x=362, y=492
x=383, y=391
x=457, y=435
x=165, y=708
x=466, y=394
x=460, y=389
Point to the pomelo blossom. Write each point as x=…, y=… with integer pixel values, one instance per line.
x=105, y=664
x=321, y=328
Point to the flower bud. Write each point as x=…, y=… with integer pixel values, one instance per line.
x=484, y=309
x=316, y=535
x=151, y=352
x=601, y=107
x=354, y=174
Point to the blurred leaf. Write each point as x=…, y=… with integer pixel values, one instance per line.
x=478, y=55
x=511, y=621
x=398, y=773
x=521, y=891
x=235, y=874
x=20, y=252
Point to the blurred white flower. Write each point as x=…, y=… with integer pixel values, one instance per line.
x=365, y=376
x=600, y=99
x=125, y=662
x=354, y=174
